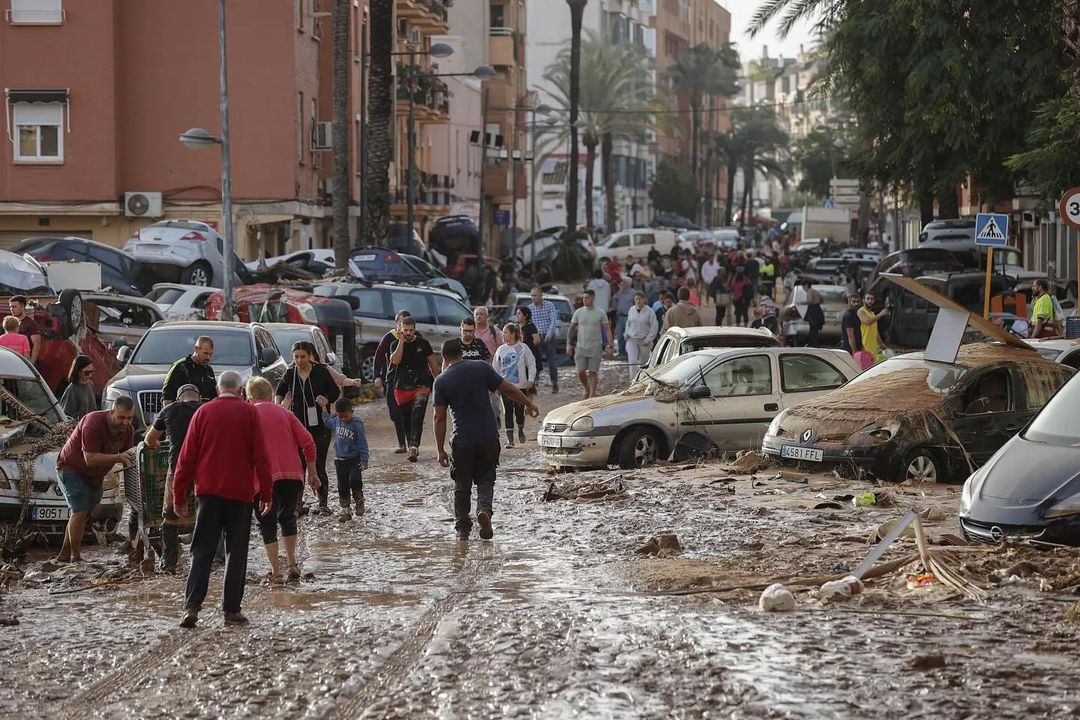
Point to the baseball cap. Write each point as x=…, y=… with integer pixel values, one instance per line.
x=188, y=388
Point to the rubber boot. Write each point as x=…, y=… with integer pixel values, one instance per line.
x=170, y=548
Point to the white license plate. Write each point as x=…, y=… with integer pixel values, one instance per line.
x=49, y=513
x=551, y=441
x=792, y=452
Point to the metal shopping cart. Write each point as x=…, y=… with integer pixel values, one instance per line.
x=144, y=489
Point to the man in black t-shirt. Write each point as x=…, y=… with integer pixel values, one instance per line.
x=851, y=326
x=416, y=371
x=172, y=423
x=471, y=347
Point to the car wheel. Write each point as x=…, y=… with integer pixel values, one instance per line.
x=198, y=274
x=637, y=449
x=72, y=302
x=921, y=465
x=367, y=367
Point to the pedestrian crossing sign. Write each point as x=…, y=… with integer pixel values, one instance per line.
x=992, y=229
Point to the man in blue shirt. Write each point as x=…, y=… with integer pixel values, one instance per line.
x=475, y=445
x=546, y=319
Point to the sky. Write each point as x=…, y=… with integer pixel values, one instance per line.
x=741, y=12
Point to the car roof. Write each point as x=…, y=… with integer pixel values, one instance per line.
x=823, y=286
x=770, y=349
x=12, y=364
x=43, y=239
x=181, y=286
x=205, y=324
x=547, y=296
x=130, y=299
x=394, y=286
x=977, y=355
x=289, y=326
x=718, y=331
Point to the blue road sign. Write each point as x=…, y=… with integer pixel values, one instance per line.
x=992, y=229
x=502, y=217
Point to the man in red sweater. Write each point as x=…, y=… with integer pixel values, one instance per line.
x=224, y=454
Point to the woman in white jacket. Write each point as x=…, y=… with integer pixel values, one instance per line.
x=640, y=331
x=516, y=364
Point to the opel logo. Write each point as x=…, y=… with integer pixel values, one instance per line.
x=807, y=434
x=997, y=534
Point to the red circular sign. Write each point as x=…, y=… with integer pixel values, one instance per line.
x=1069, y=208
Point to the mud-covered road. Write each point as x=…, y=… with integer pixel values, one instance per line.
x=558, y=616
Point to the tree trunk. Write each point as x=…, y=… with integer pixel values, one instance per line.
x=577, y=10
x=926, y=206
x=380, y=121
x=695, y=150
x=748, y=194
x=729, y=205
x=948, y=204
x=342, y=63
x=606, y=148
x=590, y=163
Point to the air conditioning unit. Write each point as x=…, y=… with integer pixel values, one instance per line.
x=415, y=36
x=142, y=204
x=323, y=136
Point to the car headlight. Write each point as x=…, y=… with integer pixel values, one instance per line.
x=582, y=424
x=1069, y=506
x=775, y=425
x=112, y=394
x=874, y=433
x=307, y=312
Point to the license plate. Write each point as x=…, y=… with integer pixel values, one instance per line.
x=152, y=249
x=49, y=513
x=550, y=441
x=792, y=452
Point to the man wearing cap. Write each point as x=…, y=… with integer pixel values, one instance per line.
x=172, y=423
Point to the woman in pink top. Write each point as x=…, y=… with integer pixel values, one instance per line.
x=283, y=435
x=13, y=339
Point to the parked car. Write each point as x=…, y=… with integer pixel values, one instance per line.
x=637, y=242
x=833, y=305
x=727, y=238
x=287, y=334
x=317, y=261
x=438, y=314
x=120, y=320
x=953, y=229
x=808, y=247
x=30, y=411
x=436, y=278
x=377, y=265
x=916, y=262
x=694, y=240
x=677, y=341
x=1059, y=350
x=724, y=398
x=186, y=251
x=563, y=306
x=181, y=302
x=911, y=318
x=545, y=244
x=247, y=348
x=1030, y=488
x=910, y=418
x=119, y=270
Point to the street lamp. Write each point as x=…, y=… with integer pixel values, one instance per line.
x=199, y=139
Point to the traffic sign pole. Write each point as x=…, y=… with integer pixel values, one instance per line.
x=1069, y=210
x=989, y=277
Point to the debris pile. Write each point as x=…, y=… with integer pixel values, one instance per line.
x=610, y=489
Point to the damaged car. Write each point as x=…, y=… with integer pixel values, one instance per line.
x=706, y=401
x=912, y=418
x=1030, y=488
x=33, y=429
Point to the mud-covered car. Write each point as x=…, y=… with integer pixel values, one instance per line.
x=677, y=341
x=915, y=419
x=1030, y=488
x=720, y=399
x=32, y=432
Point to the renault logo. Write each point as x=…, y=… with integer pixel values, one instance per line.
x=807, y=435
x=997, y=534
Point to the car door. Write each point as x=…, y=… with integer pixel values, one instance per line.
x=982, y=428
x=743, y=401
x=420, y=306
x=273, y=371
x=804, y=377
x=449, y=313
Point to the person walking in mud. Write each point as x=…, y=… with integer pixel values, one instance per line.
x=290, y=448
x=514, y=362
x=307, y=385
x=385, y=375
x=226, y=457
x=172, y=423
x=351, y=456
x=640, y=330
x=101, y=440
x=474, y=448
x=683, y=313
x=589, y=327
x=472, y=348
x=194, y=370
x=416, y=370
x=546, y=319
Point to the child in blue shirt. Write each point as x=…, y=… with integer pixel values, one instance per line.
x=350, y=456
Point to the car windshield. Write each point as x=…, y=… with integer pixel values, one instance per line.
x=285, y=337
x=940, y=377
x=1056, y=424
x=728, y=341
x=166, y=346
x=22, y=399
x=387, y=266
x=683, y=370
x=165, y=296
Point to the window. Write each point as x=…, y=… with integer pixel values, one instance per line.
x=450, y=312
x=300, y=127
x=620, y=242
x=371, y=303
x=265, y=340
x=36, y=12
x=300, y=14
x=416, y=303
x=804, y=373
x=498, y=15
x=990, y=394
x=741, y=376
x=649, y=239
x=39, y=135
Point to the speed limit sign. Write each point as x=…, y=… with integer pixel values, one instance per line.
x=1069, y=208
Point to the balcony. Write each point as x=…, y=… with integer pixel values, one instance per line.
x=497, y=180
x=432, y=193
x=430, y=94
x=502, y=48
x=429, y=15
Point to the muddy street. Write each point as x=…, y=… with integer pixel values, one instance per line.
x=559, y=615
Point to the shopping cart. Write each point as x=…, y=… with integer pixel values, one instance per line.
x=144, y=489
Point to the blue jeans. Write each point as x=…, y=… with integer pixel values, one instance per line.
x=620, y=328
x=548, y=344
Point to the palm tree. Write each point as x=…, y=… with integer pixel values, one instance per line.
x=614, y=93
x=702, y=73
x=756, y=143
x=380, y=146
x=342, y=62
x=797, y=11
x=577, y=12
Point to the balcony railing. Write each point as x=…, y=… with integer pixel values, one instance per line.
x=428, y=90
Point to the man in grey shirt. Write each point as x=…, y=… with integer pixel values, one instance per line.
x=623, y=301
x=589, y=326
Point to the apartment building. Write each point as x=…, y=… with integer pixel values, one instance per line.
x=97, y=93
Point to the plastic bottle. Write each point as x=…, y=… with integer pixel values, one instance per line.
x=847, y=587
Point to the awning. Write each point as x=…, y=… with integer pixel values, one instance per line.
x=37, y=95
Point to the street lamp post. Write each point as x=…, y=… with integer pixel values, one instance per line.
x=197, y=139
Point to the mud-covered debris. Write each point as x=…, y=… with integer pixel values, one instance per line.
x=792, y=477
x=1072, y=614
x=664, y=544
x=828, y=505
x=933, y=514
x=760, y=511
x=1023, y=569
x=927, y=662
x=776, y=598
x=611, y=489
x=746, y=463
x=7, y=620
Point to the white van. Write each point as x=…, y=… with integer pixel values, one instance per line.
x=637, y=242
